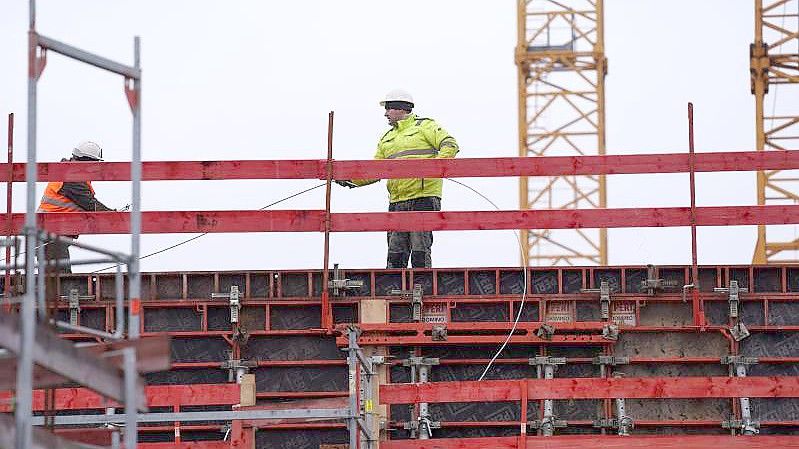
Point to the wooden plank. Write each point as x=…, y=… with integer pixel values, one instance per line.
x=593, y=388
x=411, y=168
x=157, y=396
x=602, y=442
x=311, y=220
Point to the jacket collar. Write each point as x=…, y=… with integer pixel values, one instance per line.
x=406, y=122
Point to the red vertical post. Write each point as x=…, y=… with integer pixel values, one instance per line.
x=699, y=318
x=327, y=313
x=9, y=185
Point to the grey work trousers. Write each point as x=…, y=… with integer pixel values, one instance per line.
x=415, y=246
x=59, y=251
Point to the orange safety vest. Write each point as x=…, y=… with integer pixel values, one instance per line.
x=52, y=201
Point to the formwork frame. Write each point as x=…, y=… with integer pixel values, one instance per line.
x=418, y=334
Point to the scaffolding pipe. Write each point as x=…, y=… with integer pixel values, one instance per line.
x=9, y=197
x=24, y=391
x=134, y=98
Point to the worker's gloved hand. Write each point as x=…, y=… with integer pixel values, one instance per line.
x=345, y=183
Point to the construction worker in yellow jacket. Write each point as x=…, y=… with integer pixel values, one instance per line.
x=410, y=137
x=71, y=197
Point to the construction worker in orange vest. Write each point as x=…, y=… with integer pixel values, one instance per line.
x=71, y=197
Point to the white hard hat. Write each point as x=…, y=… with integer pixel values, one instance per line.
x=88, y=149
x=397, y=95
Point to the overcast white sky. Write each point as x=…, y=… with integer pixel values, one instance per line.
x=256, y=79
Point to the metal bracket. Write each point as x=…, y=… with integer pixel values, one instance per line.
x=545, y=360
x=653, y=285
x=747, y=427
x=415, y=297
x=234, y=299
x=420, y=361
x=739, y=360
x=733, y=296
x=739, y=331
x=610, y=332
x=439, y=333
x=610, y=360
x=604, y=297
x=623, y=425
x=340, y=285
x=547, y=423
x=379, y=359
x=237, y=368
x=74, y=298
x=414, y=426
x=545, y=332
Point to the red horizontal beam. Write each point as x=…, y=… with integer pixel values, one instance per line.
x=426, y=168
x=601, y=442
x=187, y=445
x=157, y=396
x=592, y=388
x=454, y=340
x=311, y=220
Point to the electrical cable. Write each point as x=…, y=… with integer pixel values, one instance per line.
x=205, y=233
x=524, y=288
x=516, y=233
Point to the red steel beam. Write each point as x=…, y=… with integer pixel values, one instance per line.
x=312, y=220
x=592, y=388
x=157, y=396
x=601, y=442
x=410, y=168
x=187, y=445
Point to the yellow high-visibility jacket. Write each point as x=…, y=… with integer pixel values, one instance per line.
x=413, y=138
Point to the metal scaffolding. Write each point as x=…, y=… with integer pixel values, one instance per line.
x=34, y=343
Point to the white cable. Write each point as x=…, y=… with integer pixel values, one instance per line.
x=524, y=288
x=205, y=233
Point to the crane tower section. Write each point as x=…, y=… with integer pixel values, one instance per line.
x=774, y=68
x=561, y=76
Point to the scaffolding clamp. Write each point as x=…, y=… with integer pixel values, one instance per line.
x=420, y=361
x=438, y=333
x=545, y=332
x=237, y=368
x=415, y=297
x=654, y=285
x=547, y=361
x=547, y=424
x=604, y=297
x=610, y=332
x=340, y=285
x=421, y=423
x=745, y=426
x=739, y=360
x=733, y=296
x=739, y=331
x=623, y=425
x=73, y=299
x=234, y=299
x=610, y=360
x=737, y=368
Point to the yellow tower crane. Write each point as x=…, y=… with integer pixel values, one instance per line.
x=774, y=68
x=561, y=63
